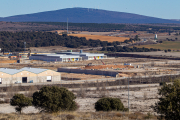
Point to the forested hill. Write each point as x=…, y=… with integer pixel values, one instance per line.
x=15, y=41
x=85, y=15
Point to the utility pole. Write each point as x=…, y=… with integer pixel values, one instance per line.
x=67, y=25
x=24, y=47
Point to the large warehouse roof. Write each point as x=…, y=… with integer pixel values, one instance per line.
x=14, y=71
x=82, y=54
x=57, y=55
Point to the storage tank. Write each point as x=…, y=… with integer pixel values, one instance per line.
x=155, y=36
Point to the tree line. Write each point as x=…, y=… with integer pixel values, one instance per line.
x=110, y=27
x=10, y=41
x=127, y=49
x=15, y=41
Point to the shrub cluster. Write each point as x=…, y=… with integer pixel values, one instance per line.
x=53, y=99
x=109, y=104
x=48, y=99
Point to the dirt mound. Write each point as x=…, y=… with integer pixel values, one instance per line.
x=108, y=67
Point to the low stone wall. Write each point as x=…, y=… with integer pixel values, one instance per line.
x=141, y=56
x=92, y=72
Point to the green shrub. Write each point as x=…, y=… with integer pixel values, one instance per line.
x=168, y=104
x=54, y=99
x=20, y=101
x=109, y=104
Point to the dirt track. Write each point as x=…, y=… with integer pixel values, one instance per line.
x=108, y=66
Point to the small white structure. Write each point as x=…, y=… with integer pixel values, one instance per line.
x=155, y=36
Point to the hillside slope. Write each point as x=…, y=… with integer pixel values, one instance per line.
x=85, y=15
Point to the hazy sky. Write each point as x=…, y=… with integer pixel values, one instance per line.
x=168, y=9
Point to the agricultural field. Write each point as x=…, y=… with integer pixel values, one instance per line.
x=102, y=38
x=173, y=45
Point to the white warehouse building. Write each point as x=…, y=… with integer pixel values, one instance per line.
x=55, y=57
x=86, y=56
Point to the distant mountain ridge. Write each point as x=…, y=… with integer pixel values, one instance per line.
x=86, y=15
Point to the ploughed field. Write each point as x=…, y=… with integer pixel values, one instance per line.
x=102, y=38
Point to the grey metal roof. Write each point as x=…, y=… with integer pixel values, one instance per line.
x=14, y=71
x=82, y=54
x=58, y=55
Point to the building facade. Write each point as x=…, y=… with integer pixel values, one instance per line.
x=28, y=75
x=55, y=57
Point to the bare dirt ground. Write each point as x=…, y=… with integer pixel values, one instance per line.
x=8, y=61
x=72, y=76
x=108, y=66
x=158, y=53
x=102, y=38
x=96, y=33
x=141, y=100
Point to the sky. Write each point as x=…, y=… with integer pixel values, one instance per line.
x=167, y=9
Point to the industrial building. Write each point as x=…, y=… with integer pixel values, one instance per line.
x=55, y=57
x=68, y=56
x=28, y=75
x=86, y=56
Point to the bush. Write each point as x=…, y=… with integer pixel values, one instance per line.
x=168, y=104
x=54, y=99
x=109, y=104
x=20, y=101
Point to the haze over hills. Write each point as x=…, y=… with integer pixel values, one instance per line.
x=85, y=15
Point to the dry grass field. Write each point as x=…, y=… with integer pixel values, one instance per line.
x=173, y=45
x=78, y=116
x=102, y=38
x=8, y=61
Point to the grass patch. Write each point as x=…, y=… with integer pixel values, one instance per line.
x=113, y=115
x=173, y=45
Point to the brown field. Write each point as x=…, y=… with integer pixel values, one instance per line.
x=8, y=61
x=107, y=66
x=102, y=38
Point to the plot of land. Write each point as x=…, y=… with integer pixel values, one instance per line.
x=102, y=38
x=8, y=61
x=108, y=66
x=173, y=45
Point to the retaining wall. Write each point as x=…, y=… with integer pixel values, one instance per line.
x=92, y=72
x=141, y=56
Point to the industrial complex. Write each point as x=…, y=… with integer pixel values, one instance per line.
x=67, y=56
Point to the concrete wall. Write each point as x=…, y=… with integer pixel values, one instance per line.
x=93, y=72
x=141, y=56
